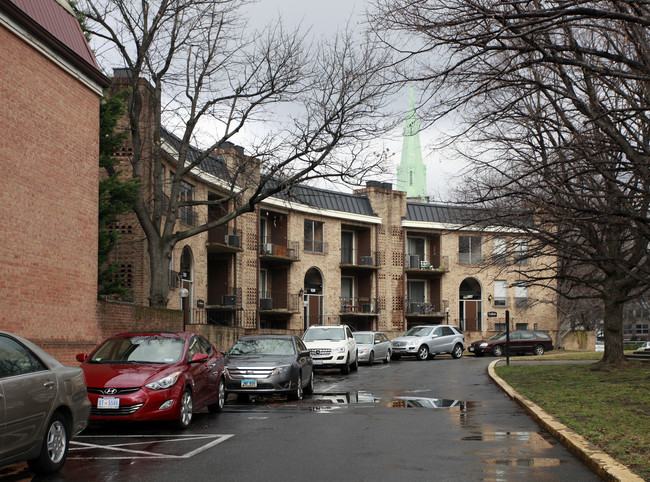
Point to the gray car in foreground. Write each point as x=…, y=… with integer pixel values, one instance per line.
x=372, y=345
x=427, y=341
x=266, y=364
x=43, y=405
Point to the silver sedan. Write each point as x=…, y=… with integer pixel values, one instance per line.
x=43, y=405
x=372, y=345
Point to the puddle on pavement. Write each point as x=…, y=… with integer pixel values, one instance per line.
x=325, y=401
x=541, y=439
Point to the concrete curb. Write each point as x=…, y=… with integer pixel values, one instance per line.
x=602, y=464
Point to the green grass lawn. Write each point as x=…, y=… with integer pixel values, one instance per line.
x=610, y=408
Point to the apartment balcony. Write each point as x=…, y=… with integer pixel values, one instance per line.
x=279, y=250
x=225, y=298
x=224, y=239
x=423, y=309
x=434, y=266
x=279, y=302
x=359, y=306
x=359, y=259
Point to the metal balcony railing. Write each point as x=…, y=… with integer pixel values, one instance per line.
x=359, y=305
x=279, y=247
x=420, y=307
x=227, y=297
x=359, y=257
x=278, y=301
x=432, y=262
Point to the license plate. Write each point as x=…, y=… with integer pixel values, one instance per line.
x=111, y=402
x=249, y=383
x=318, y=362
x=471, y=348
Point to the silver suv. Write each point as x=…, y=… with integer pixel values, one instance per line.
x=332, y=346
x=427, y=341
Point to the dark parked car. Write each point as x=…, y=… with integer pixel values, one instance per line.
x=521, y=341
x=263, y=364
x=154, y=376
x=43, y=405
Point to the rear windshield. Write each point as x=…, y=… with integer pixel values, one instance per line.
x=262, y=346
x=541, y=334
x=498, y=336
x=139, y=350
x=335, y=333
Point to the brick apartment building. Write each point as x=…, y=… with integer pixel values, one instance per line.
x=372, y=259
x=50, y=89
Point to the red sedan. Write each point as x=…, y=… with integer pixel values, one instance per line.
x=154, y=376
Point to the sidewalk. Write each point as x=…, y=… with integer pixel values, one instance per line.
x=602, y=464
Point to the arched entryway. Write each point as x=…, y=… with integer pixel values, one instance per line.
x=187, y=284
x=470, y=297
x=313, y=297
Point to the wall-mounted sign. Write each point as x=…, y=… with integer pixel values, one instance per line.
x=492, y=314
x=200, y=303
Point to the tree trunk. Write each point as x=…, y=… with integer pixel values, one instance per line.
x=613, y=354
x=159, y=257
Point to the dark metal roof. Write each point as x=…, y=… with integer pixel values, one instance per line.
x=326, y=199
x=212, y=164
x=52, y=23
x=441, y=213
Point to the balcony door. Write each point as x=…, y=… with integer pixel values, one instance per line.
x=313, y=301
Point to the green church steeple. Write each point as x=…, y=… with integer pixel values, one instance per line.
x=411, y=172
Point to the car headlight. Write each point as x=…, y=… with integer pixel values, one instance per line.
x=483, y=345
x=340, y=349
x=280, y=370
x=412, y=343
x=363, y=351
x=165, y=382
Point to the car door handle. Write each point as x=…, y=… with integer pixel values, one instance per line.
x=48, y=384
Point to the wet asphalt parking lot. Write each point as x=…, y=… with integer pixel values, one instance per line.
x=441, y=419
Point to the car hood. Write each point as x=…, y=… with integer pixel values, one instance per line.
x=123, y=376
x=259, y=360
x=408, y=339
x=324, y=343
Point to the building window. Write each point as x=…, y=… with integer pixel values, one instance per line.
x=642, y=329
x=500, y=251
x=500, y=292
x=469, y=250
x=521, y=326
x=521, y=294
x=521, y=251
x=499, y=327
x=186, y=213
x=415, y=252
x=314, y=236
x=264, y=286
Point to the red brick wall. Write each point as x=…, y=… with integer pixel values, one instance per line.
x=48, y=201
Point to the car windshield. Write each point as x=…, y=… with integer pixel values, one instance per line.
x=498, y=336
x=139, y=350
x=364, y=338
x=541, y=334
x=334, y=333
x=262, y=346
x=418, y=331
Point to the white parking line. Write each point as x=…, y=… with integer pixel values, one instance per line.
x=77, y=445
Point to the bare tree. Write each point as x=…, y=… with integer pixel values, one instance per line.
x=211, y=78
x=555, y=99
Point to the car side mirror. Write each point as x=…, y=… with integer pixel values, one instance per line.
x=82, y=357
x=304, y=353
x=198, y=357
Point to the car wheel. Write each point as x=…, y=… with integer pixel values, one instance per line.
x=497, y=350
x=221, y=398
x=539, y=350
x=388, y=357
x=423, y=353
x=371, y=358
x=345, y=369
x=457, y=352
x=395, y=357
x=355, y=366
x=297, y=393
x=54, y=448
x=186, y=407
x=309, y=389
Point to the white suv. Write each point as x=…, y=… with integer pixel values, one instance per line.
x=332, y=346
